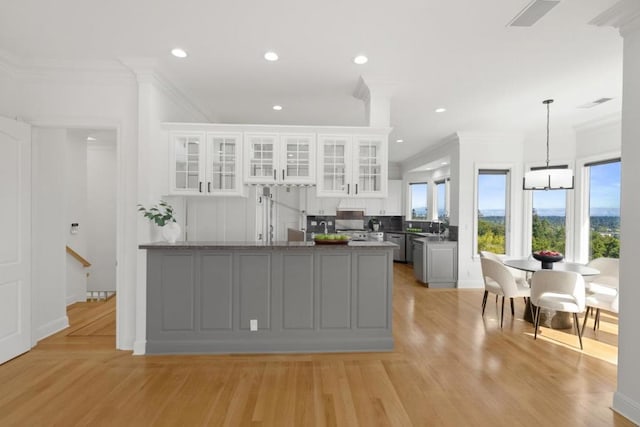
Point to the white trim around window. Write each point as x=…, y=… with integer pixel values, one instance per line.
x=514, y=186
x=581, y=238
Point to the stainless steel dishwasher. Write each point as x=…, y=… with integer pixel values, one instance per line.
x=399, y=253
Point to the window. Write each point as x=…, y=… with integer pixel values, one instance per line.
x=549, y=220
x=441, y=199
x=604, y=209
x=492, y=210
x=419, y=210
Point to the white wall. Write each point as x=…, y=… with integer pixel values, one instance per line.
x=100, y=224
x=8, y=89
x=627, y=397
x=157, y=102
x=74, y=192
x=49, y=165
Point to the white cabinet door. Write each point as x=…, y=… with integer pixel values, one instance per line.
x=334, y=160
x=261, y=158
x=393, y=203
x=315, y=205
x=187, y=162
x=297, y=159
x=223, y=161
x=370, y=166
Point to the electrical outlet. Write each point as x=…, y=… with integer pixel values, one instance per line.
x=253, y=325
x=330, y=223
x=314, y=222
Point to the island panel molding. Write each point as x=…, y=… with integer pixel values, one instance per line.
x=202, y=296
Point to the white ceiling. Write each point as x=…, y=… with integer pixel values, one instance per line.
x=458, y=54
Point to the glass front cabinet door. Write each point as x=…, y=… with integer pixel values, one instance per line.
x=279, y=159
x=223, y=175
x=370, y=160
x=205, y=163
x=352, y=166
x=297, y=159
x=187, y=153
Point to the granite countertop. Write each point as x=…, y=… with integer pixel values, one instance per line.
x=262, y=245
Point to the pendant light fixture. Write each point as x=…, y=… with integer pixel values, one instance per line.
x=548, y=177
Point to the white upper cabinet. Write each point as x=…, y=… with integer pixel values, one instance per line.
x=224, y=160
x=352, y=166
x=279, y=158
x=187, y=168
x=205, y=163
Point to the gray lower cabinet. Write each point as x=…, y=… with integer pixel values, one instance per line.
x=436, y=263
x=310, y=299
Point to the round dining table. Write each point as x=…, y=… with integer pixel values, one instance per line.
x=550, y=318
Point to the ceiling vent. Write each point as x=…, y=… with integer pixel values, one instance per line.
x=595, y=103
x=532, y=13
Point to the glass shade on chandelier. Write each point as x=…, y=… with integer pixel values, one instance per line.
x=549, y=177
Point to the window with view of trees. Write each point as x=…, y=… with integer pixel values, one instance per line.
x=549, y=220
x=419, y=210
x=492, y=210
x=604, y=209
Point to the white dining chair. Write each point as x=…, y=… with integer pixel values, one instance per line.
x=559, y=291
x=602, y=289
x=500, y=281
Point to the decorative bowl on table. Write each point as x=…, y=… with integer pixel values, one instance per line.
x=331, y=239
x=547, y=258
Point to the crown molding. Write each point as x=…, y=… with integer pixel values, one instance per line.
x=65, y=71
x=624, y=15
x=146, y=71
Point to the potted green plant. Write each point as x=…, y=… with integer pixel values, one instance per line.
x=162, y=215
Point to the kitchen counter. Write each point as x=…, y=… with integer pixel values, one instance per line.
x=263, y=245
x=248, y=297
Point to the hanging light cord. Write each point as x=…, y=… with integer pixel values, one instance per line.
x=547, y=101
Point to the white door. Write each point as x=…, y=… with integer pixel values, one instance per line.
x=15, y=244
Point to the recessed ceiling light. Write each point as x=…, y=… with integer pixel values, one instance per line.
x=399, y=140
x=360, y=59
x=90, y=138
x=444, y=163
x=441, y=110
x=277, y=107
x=179, y=53
x=271, y=56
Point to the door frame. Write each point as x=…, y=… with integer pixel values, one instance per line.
x=122, y=302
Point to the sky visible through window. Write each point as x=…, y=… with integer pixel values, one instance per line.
x=604, y=199
x=492, y=189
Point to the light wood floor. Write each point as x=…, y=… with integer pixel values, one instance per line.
x=450, y=367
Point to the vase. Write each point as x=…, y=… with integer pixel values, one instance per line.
x=171, y=232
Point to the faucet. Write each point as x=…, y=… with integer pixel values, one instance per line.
x=326, y=231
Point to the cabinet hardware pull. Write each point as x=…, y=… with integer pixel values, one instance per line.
x=200, y=186
x=348, y=189
x=283, y=174
x=274, y=174
x=209, y=187
x=356, y=188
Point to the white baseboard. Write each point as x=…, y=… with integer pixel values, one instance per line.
x=76, y=298
x=140, y=347
x=470, y=284
x=626, y=407
x=51, y=328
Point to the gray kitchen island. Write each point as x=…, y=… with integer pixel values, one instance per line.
x=248, y=297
